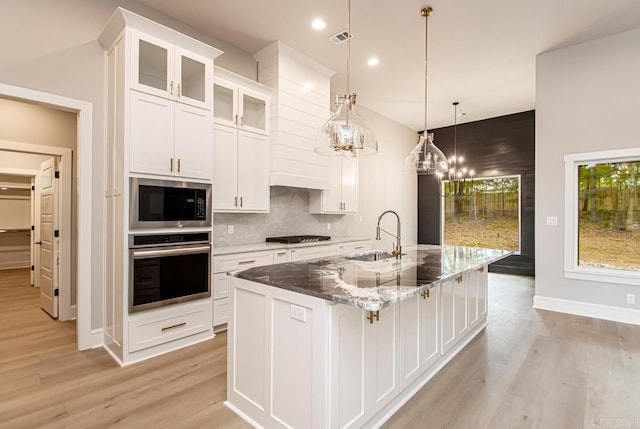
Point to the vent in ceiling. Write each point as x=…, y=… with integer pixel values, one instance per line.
x=340, y=37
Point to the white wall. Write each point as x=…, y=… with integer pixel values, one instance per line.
x=587, y=99
x=15, y=213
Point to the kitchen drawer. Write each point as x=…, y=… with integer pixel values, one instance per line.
x=280, y=256
x=220, y=285
x=356, y=247
x=220, y=311
x=151, y=331
x=300, y=254
x=240, y=261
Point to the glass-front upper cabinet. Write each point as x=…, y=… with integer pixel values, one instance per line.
x=164, y=70
x=238, y=106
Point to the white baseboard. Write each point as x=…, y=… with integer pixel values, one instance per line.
x=597, y=311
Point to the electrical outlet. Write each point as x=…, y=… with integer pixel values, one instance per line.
x=328, y=226
x=229, y=229
x=298, y=313
x=631, y=298
x=552, y=220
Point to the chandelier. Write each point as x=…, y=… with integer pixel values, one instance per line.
x=460, y=176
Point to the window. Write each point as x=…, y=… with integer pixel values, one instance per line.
x=483, y=213
x=602, y=216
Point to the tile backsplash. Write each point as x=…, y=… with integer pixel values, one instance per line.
x=289, y=216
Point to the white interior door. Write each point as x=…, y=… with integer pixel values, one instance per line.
x=36, y=233
x=49, y=241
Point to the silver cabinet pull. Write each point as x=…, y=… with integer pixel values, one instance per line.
x=139, y=254
x=179, y=325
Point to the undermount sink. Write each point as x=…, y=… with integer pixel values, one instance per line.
x=370, y=257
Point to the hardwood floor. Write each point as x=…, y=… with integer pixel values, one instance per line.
x=527, y=369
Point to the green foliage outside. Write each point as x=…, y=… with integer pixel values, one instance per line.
x=609, y=198
x=483, y=213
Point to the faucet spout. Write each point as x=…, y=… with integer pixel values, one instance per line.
x=397, y=248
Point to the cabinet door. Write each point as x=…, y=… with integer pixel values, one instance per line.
x=151, y=65
x=349, y=189
x=381, y=369
x=347, y=379
x=483, y=293
x=429, y=328
x=225, y=168
x=447, y=314
x=193, y=142
x=225, y=103
x=473, y=295
x=193, y=75
x=151, y=122
x=253, y=172
x=332, y=197
x=409, y=333
x=461, y=303
x=356, y=247
x=254, y=111
x=300, y=254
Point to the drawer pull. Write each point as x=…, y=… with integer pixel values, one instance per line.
x=425, y=294
x=359, y=247
x=179, y=325
x=252, y=261
x=282, y=253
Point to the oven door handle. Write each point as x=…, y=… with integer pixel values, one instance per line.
x=137, y=254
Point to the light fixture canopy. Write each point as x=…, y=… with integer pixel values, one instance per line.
x=426, y=157
x=346, y=132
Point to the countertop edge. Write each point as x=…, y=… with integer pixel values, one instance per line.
x=256, y=247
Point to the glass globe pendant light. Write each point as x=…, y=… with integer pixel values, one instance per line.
x=426, y=158
x=346, y=131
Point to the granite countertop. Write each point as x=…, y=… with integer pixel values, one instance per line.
x=374, y=285
x=256, y=247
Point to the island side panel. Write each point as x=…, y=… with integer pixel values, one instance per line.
x=277, y=338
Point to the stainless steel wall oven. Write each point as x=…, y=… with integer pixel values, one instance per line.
x=168, y=268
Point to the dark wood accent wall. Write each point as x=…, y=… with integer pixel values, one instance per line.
x=500, y=146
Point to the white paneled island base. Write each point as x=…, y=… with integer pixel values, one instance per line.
x=301, y=361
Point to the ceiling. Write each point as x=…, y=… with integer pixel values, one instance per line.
x=481, y=54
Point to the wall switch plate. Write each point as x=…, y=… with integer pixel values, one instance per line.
x=298, y=313
x=552, y=220
x=229, y=229
x=631, y=298
x=328, y=226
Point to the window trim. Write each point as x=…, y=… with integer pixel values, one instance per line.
x=571, y=222
x=504, y=176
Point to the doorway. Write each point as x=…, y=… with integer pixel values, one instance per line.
x=81, y=268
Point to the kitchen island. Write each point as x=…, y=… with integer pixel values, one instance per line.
x=345, y=341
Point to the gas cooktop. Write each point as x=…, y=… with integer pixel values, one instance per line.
x=292, y=239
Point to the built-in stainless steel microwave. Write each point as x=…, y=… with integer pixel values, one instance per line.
x=168, y=204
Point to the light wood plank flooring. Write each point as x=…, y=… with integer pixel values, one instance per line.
x=528, y=369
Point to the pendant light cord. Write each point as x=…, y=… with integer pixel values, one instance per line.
x=426, y=12
x=348, y=60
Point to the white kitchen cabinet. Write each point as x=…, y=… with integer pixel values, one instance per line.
x=237, y=104
x=461, y=304
x=168, y=71
x=241, y=144
x=168, y=138
x=342, y=195
x=355, y=247
x=477, y=302
x=241, y=171
x=447, y=321
x=429, y=327
x=158, y=121
x=311, y=252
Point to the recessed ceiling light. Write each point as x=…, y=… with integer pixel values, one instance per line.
x=4, y=188
x=373, y=61
x=318, y=24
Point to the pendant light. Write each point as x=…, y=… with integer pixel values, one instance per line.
x=426, y=158
x=346, y=131
x=459, y=174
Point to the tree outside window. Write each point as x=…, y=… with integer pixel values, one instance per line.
x=483, y=213
x=609, y=215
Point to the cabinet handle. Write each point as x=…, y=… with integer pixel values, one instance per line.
x=282, y=253
x=179, y=90
x=178, y=165
x=373, y=315
x=171, y=88
x=235, y=201
x=251, y=261
x=179, y=325
x=242, y=120
x=481, y=269
x=359, y=247
x=425, y=294
x=171, y=165
x=235, y=119
x=240, y=201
